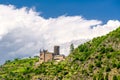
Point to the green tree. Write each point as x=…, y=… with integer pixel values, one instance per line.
x=71, y=48
x=8, y=61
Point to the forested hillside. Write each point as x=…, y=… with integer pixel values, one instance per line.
x=98, y=59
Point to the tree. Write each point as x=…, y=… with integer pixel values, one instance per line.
x=8, y=61
x=71, y=48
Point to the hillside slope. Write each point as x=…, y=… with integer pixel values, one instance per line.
x=98, y=59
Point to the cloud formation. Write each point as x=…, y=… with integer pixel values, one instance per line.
x=23, y=31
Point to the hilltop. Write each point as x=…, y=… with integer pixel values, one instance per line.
x=97, y=59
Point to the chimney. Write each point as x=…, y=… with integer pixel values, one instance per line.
x=56, y=50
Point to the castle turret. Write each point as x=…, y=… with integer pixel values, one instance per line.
x=56, y=50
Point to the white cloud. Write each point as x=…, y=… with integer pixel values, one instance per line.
x=23, y=31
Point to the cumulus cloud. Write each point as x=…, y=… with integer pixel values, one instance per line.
x=23, y=31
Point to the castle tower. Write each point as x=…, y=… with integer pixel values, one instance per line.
x=56, y=50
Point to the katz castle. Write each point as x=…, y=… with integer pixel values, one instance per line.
x=46, y=56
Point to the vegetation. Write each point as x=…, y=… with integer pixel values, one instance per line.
x=71, y=48
x=98, y=59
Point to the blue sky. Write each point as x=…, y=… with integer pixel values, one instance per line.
x=91, y=9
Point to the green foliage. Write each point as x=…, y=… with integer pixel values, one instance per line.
x=115, y=77
x=71, y=48
x=90, y=67
x=106, y=76
x=118, y=65
x=98, y=63
x=7, y=62
x=106, y=49
x=108, y=69
x=108, y=55
x=99, y=57
x=100, y=76
x=19, y=69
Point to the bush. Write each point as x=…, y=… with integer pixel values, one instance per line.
x=102, y=50
x=115, y=77
x=98, y=57
x=100, y=76
x=108, y=55
x=106, y=77
x=118, y=65
x=98, y=64
x=65, y=73
x=108, y=69
x=106, y=49
x=109, y=49
x=94, y=77
x=8, y=61
x=91, y=67
x=114, y=65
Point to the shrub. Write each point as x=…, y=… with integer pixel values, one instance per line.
x=118, y=65
x=109, y=49
x=106, y=77
x=65, y=73
x=102, y=50
x=91, y=67
x=115, y=77
x=108, y=69
x=108, y=55
x=94, y=77
x=100, y=76
x=114, y=65
x=8, y=61
x=98, y=64
x=99, y=57
x=106, y=49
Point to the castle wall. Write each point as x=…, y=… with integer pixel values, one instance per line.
x=48, y=57
x=59, y=57
x=42, y=57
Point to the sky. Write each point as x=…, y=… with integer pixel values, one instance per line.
x=26, y=26
x=90, y=9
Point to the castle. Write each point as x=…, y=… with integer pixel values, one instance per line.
x=46, y=56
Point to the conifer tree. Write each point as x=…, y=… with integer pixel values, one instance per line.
x=71, y=48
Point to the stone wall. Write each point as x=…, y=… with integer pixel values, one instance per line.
x=45, y=57
x=48, y=57
x=59, y=57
